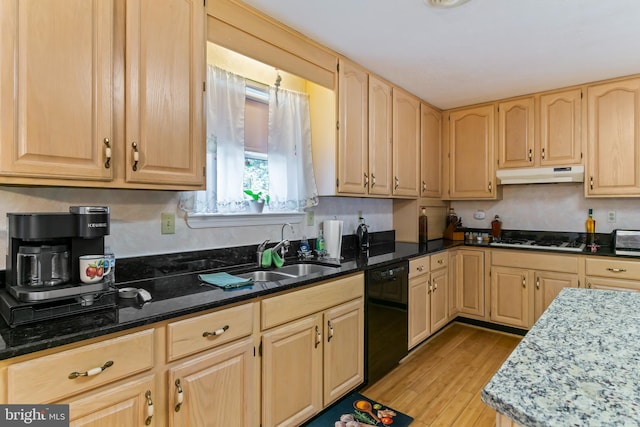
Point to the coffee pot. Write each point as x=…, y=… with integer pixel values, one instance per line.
x=43, y=265
x=362, y=234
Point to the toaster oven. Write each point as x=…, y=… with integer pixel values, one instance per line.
x=626, y=242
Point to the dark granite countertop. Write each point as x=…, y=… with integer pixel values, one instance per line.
x=177, y=292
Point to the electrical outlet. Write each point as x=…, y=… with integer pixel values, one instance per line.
x=611, y=217
x=310, y=218
x=168, y=223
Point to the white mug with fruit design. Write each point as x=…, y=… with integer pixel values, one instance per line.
x=93, y=268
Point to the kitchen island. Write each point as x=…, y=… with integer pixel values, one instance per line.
x=578, y=365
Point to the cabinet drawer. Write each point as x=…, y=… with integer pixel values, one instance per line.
x=439, y=260
x=418, y=266
x=562, y=263
x=46, y=379
x=611, y=267
x=199, y=333
x=294, y=305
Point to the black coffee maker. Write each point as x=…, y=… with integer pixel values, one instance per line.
x=362, y=235
x=43, y=258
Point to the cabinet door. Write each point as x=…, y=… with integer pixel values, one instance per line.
x=406, y=143
x=548, y=286
x=130, y=403
x=380, y=137
x=419, y=309
x=430, y=152
x=470, y=282
x=439, y=298
x=511, y=296
x=56, y=88
x=453, y=288
x=561, y=128
x=292, y=372
x=343, y=349
x=164, y=92
x=516, y=133
x=219, y=388
x=472, y=161
x=613, y=139
x=353, y=95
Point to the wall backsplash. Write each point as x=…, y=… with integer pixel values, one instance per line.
x=550, y=207
x=135, y=219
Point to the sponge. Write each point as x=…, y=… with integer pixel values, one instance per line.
x=277, y=260
x=266, y=258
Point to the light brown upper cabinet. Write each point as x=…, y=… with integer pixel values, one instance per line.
x=364, y=132
x=430, y=152
x=560, y=132
x=380, y=137
x=82, y=82
x=471, y=153
x=406, y=143
x=516, y=133
x=613, y=139
x=353, y=129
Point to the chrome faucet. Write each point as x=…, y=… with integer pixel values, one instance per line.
x=261, y=247
x=283, y=246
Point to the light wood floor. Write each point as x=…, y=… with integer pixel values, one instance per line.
x=439, y=383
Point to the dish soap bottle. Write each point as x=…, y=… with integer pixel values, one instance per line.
x=423, y=230
x=591, y=228
x=320, y=245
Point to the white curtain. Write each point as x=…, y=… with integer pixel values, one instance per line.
x=225, y=102
x=292, y=184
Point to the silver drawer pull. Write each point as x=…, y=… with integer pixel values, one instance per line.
x=216, y=332
x=617, y=270
x=179, y=395
x=147, y=420
x=91, y=372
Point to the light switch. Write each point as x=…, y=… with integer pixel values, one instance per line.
x=168, y=223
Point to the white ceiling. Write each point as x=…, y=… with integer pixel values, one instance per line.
x=483, y=50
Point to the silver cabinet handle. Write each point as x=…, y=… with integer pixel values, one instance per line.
x=543, y=155
x=424, y=186
x=318, y=337
x=524, y=282
x=537, y=283
x=397, y=181
x=366, y=180
x=330, y=326
x=373, y=180
x=617, y=270
x=530, y=155
x=490, y=187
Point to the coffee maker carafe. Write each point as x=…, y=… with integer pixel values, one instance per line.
x=43, y=265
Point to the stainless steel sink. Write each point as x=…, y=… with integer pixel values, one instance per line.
x=299, y=270
x=266, y=276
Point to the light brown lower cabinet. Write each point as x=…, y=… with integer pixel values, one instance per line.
x=470, y=282
x=312, y=349
x=612, y=274
x=521, y=290
x=216, y=388
x=131, y=403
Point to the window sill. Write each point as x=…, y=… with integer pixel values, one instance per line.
x=238, y=220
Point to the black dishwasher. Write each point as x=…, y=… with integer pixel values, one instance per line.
x=386, y=314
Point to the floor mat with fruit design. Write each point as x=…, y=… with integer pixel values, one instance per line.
x=357, y=410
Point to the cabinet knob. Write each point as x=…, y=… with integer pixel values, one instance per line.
x=179, y=395
x=107, y=153
x=136, y=156
x=147, y=395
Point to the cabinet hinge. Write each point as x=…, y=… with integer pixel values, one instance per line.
x=337, y=182
x=204, y=86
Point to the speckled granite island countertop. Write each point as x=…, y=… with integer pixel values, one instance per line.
x=578, y=366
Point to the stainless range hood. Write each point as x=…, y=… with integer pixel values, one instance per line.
x=541, y=175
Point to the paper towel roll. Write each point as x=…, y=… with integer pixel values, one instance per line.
x=332, y=230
